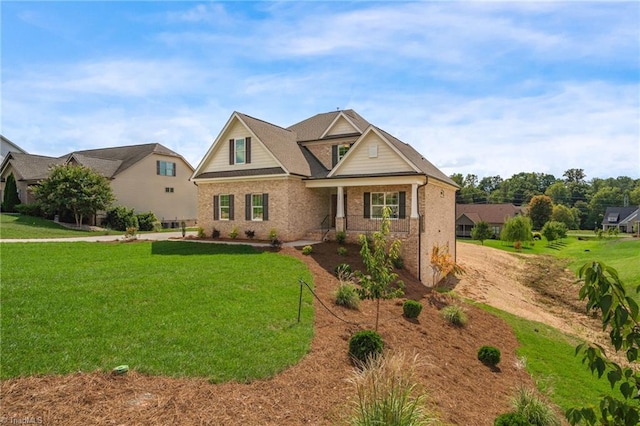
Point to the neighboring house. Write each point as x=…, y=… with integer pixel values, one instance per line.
x=625, y=219
x=332, y=172
x=148, y=177
x=468, y=215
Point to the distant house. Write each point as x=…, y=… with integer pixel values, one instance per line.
x=147, y=177
x=6, y=146
x=468, y=215
x=333, y=172
x=625, y=219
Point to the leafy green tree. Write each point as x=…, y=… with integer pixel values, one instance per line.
x=553, y=230
x=570, y=217
x=517, y=228
x=540, y=209
x=380, y=281
x=559, y=193
x=606, y=293
x=482, y=231
x=76, y=188
x=10, y=197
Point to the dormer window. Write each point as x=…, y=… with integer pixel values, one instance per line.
x=240, y=151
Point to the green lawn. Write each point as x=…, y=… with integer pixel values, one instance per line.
x=550, y=359
x=170, y=308
x=20, y=226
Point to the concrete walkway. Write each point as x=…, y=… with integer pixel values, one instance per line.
x=155, y=236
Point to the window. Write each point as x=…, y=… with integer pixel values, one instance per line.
x=225, y=207
x=240, y=151
x=165, y=168
x=342, y=150
x=257, y=207
x=380, y=200
x=168, y=190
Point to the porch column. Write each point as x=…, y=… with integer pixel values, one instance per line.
x=414, y=201
x=340, y=204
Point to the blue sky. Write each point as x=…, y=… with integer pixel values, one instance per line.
x=489, y=88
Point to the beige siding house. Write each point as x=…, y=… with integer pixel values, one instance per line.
x=332, y=172
x=147, y=177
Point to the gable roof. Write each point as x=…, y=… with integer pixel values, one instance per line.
x=105, y=159
x=490, y=213
x=30, y=167
x=615, y=215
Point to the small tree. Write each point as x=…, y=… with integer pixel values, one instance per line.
x=517, y=228
x=75, y=188
x=482, y=231
x=380, y=282
x=605, y=293
x=540, y=209
x=442, y=264
x=10, y=197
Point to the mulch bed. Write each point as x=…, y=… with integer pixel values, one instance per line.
x=460, y=389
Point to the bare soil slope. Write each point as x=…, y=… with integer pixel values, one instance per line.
x=462, y=391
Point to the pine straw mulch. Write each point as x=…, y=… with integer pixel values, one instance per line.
x=460, y=389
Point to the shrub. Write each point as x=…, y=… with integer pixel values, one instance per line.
x=511, y=419
x=343, y=272
x=534, y=409
x=489, y=355
x=342, y=251
x=215, y=234
x=120, y=218
x=341, y=237
x=234, y=233
x=146, y=221
x=411, y=308
x=201, y=233
x=365, y=344
x=30, y=209
x=250, y=233
x=347, y=295
x=307, y=250
x=454, y=315
x=387, y=393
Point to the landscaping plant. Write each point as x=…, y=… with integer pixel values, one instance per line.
x=365, y=344
x=380, y=282
x=411, y=308
x=387, y=393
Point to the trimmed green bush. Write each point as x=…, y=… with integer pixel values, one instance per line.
x=489, y=355
x=511, y=419
x=365, y=344
x=347, y=295
x=411, y=308
x=454, y=315
x=307, y=250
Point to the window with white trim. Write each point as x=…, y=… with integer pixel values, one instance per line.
x=257, y=207
x=240, y=150
x=380, y=200
x=224, y=206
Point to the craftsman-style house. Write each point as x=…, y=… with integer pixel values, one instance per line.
x=329, y=173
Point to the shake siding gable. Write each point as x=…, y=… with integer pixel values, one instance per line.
x=358, y=161
x=257, y=156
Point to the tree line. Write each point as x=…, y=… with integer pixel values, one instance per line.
x=588, y=199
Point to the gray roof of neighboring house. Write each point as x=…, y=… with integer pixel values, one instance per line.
x=615, y=215
x=31, y=167
x=125, y=155
x=490, y=213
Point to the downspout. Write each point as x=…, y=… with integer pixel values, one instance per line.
x=419, y=226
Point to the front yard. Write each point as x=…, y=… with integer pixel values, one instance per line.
x=167, y=308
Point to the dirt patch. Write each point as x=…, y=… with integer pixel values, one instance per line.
x=315, y=391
